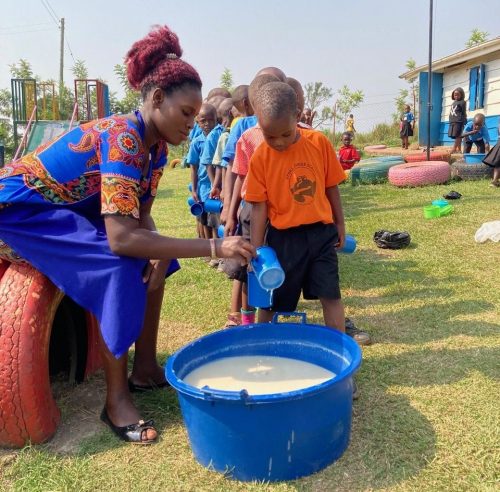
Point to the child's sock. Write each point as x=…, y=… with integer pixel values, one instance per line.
x=247, y=317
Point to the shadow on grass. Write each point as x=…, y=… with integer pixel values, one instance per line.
x=402, y=283
x=166, y=193
x=159, y=405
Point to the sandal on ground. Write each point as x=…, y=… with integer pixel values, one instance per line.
x=139, y=388
x=233, y=319
x=130, y=433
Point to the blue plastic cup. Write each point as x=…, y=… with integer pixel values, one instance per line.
x=195, y=207
x=257, y=296
x=267, y=268
x=220, y=230
x=349, y=245
x=212, y=206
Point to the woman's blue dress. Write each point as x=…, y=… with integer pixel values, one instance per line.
x=52, y=207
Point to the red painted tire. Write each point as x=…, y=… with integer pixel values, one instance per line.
x=433, y=156
x=30, y=301
x=420, y=173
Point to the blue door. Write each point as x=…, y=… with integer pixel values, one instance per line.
x=436, y=108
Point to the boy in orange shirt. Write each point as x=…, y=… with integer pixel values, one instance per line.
x=292, y=182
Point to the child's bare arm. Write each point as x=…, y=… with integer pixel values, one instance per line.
x=194, y=182
x=258, y=221
x=333, y=195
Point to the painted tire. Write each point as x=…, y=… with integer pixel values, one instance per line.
x=368, y=148
x=467, y=172
x=420, y=173
x=372, y=172
x=31, y=307
x=433, y=156
x=174, y=163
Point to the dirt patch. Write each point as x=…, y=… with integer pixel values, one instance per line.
x=80, y=406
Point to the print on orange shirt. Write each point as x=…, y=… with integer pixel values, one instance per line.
x=302, y=183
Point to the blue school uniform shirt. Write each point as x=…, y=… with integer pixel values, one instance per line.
x=210, y=145
x=408, y=117
x=193, y=159
x=236, y=132
x=195, y=131
x=483, y=134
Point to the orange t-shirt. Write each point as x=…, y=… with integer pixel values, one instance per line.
x=293, y=181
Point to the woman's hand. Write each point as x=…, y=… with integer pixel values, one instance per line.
x=154, y=273
x=235, y=247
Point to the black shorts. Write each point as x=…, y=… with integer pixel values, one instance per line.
x=308, y=257
x=480, y=146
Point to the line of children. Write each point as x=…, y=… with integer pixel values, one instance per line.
x=247, y=144
x=201, y=185
x=236, y=217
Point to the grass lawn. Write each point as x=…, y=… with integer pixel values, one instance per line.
x=428, y=415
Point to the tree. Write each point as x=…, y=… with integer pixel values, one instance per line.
x=316, y=96
x=226, y=79
x=346, y=102
x=476, y=37
x=401, y=102
x=132, y=99
x=79, y=70
x=414, y=86
x=21, y=70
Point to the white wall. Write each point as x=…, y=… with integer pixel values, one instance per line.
x=459, y=77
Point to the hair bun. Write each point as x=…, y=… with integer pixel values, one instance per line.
x=146, y=54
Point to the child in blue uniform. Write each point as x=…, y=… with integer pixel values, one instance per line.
x=407, y=125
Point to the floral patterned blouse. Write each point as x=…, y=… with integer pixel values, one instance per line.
x=100, y=158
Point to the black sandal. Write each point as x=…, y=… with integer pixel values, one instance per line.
x=138, y=388
x=130, y=433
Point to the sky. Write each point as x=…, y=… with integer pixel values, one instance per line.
x=363, y=44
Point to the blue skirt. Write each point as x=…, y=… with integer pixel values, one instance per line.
x=70, y=247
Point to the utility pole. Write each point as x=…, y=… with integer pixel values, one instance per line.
x=61, y=67
x=429, y=85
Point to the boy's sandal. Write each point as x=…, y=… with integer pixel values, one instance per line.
x=130, y=433
x=139, y=388
x=233, y=319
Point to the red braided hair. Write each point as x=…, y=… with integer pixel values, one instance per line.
x=155, y=61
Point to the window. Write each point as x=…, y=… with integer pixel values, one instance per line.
x=476, y=87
